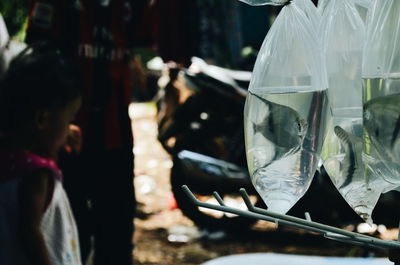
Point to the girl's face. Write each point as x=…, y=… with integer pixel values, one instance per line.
x=55, y=126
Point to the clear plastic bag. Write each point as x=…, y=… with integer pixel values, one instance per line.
x=381, y=95
x=285, y=110
x=310, y=10
x=361, y=5
x=343, y=35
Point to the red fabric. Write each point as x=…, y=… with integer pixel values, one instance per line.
x=101, y=47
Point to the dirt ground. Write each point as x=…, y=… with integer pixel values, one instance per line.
x=164, y=236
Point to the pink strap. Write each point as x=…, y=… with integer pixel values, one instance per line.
x=13, y=165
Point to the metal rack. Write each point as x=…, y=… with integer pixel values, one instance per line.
x=327, y=231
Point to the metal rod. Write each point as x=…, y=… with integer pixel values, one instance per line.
x=218, y=198
x=308, y=216
x=345, y=239
x=249, y=214
x=261, y=214
x=289, y=218
x=322, y=227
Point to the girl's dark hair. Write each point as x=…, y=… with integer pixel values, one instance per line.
x=39, y=78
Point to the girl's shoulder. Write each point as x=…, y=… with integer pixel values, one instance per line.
x=17, y=164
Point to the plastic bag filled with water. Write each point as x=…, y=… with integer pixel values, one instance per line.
x=285, y=110
x=381, y=95
x=343, y=35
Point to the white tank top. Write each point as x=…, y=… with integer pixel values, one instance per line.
x=57, y=225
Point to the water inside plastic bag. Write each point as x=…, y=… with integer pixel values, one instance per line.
x=382, y=129
x=343, y=34
x=285, y=110
x=284, y=129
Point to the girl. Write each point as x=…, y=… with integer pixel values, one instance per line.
x=39, y=97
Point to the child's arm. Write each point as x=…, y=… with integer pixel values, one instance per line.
x=33, y=195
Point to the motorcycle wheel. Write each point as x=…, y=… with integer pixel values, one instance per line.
x=201, y=218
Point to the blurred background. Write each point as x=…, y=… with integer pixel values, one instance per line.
x=224, y=36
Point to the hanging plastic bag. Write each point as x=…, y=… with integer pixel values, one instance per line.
x=343, y=35
x=310, y=11
x=381, y=95
x=285, y=110
x=361, y=5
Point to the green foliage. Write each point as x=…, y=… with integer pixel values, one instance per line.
x=14, y=13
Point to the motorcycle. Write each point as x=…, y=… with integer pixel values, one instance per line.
x=201, y=127
x=200, y=124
